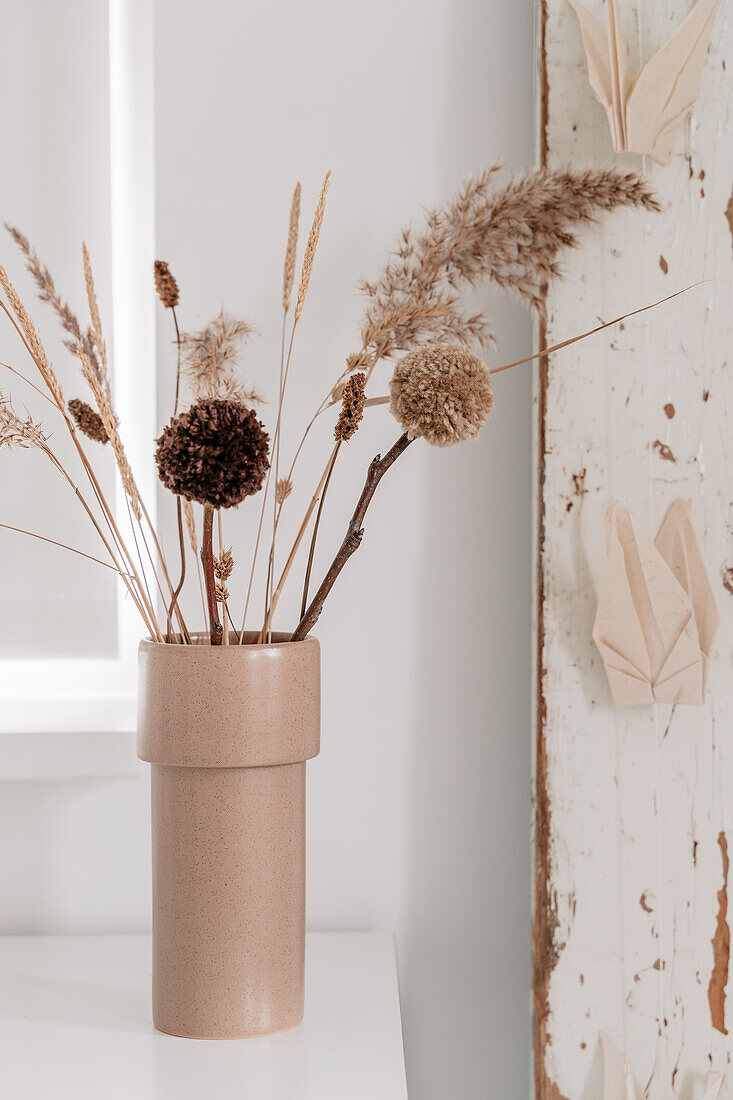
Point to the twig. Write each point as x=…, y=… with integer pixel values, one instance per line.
x=353, y=537
x=207, y=560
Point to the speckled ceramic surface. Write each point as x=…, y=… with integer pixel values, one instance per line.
x=227, y=731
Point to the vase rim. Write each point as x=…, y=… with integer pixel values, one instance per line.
x=280, y=640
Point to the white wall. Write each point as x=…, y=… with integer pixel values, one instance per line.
x=419, y=805
x=55, y=186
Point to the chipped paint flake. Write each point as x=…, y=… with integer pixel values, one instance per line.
x=663, y=451
x=721, y=949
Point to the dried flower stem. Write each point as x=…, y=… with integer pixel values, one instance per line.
x=27, y=333
x=181, y=541
x=89, y=557
x=181, y=579
x=294, y=549
x=225, y=624
x=316, y=525
x=275, y=508
x=302, y=291
x=134, y=588
x=353, y=537
x=288, y=279
x=207, y=560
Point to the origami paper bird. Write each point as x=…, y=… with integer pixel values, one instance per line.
x=619, y=1083
x=656, y=618
x=646, y=110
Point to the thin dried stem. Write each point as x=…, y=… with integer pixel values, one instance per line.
x=302, y=291
x=294, y=549
x=28, y=335
x=353, y=537
x=89, y=557
x=316, y=525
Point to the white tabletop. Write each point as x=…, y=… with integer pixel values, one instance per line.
x=75, y=1023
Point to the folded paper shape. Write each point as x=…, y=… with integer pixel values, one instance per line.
x=646, y=110
x=656, y=617
x=619, y=1082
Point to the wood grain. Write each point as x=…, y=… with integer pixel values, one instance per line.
x=632, y=809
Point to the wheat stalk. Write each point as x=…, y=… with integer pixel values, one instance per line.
x=110, y=426
x=94, y=310
x=292, y=246
x=310, y=248
x=32, y=339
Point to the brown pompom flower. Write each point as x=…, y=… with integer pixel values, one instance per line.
x=87, y=420
x=214, y=453
x=165, y=284
x=443, y=393
x=352, y=407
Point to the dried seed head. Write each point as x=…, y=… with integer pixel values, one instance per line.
x=18, y=431
x=352, y=408
x=165, y=284
x=443, y=393
x=210, y=359
x=88, y=420
x=214, y=453
x=283, y=489
x=221, y=590
x=224, y=565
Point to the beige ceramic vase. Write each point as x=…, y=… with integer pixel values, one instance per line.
x=227, y=730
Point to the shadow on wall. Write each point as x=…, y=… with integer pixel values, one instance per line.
x=465, y=970
x=465, y=942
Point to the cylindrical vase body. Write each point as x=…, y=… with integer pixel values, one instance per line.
x=227, y=731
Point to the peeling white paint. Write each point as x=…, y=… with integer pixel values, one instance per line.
x=639, y=797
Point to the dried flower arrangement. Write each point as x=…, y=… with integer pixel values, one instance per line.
x=217, y=451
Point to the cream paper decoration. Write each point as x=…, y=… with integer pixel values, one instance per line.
x=656, y=617
x=619, y=1082
x=645, y=110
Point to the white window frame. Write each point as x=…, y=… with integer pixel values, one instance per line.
x=66, y=717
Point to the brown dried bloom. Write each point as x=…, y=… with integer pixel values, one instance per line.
x=443, y=393
x=165, y=284
x=88, y=420
x=283, y=489
x=214, y=453
x=221, y=591
x=352, y=408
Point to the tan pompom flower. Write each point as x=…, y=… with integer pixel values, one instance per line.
x=443, y=393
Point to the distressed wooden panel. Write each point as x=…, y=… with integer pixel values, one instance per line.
x=634, y=806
